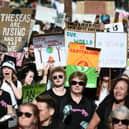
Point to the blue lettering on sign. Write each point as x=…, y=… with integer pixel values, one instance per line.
x=87, y=42
x=71, y=34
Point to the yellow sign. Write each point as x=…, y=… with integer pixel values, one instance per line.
x=79, y=54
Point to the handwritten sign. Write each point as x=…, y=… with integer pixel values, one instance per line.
x=79, y=55
x=32, y=91
x=114, y=27
x=49, y=49
x=113, y=49
x=15, y=24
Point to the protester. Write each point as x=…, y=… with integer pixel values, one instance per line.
x=76, y=108
x=28, y=117
x=119, y=118
x=28, y=78
x=10, y=83
x=5, y=108
x=47, y=107
x=103, y=89
x=119, y=95
x=58, y=91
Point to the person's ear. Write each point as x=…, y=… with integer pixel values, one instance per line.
x=51, y=111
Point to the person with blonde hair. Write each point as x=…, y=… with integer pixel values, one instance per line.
x=119, y=118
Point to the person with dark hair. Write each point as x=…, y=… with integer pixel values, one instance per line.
x=47, y=107
x=6, y=109
x=28, y=117
x=118, y=96
x=76, y=109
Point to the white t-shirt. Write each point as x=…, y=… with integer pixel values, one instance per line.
x=6, y=87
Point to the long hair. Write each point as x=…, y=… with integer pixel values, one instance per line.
x=111, y=98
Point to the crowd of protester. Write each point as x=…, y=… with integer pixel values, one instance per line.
x=60, y=107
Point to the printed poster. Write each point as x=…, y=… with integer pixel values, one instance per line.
x=89, y=71
x=79, y=55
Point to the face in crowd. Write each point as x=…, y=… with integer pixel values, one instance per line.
x=58, y=76
x=120, y=118
x=120, y=89
x=7, y=72
x=28, y=116
x=31, y=50
x=47, y=107
x=77, y=82
x=29, y=77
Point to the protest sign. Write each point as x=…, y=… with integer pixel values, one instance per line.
x=95, y=7
x=89, y=71
x=49, y=49
x=45, y=14
x=32, y=91
x=79, y=55
x=15, y=26
x=113, y=49
x=114, y=27
x=18, y=55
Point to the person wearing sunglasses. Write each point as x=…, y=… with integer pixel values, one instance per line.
x=76, y=109
x=118, y=96
x=28, y=116
x=57, y=91
x=119, y=118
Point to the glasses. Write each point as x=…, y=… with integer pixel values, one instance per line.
x=57, y=77
x=116, y=121
x=26, y=114
x=80, y=83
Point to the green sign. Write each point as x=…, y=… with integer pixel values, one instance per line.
x=89, y=71
x=32, y=91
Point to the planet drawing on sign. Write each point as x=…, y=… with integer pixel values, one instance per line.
x=49, y=50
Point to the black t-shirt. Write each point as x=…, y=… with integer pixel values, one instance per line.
x=103, y=112
x=56, y=124
x=4, y=101
x=57, y=98
x=78, y=115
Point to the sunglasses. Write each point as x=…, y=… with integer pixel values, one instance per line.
x=57, y=77
x=26, y=114
x=116, y=121
x=80, y=83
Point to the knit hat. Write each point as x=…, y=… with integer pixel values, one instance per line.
x=9, y=64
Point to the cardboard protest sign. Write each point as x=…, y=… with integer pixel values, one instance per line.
x=49, y=49
x=32, y=91
x=95, y=7
x=79, y=55
x=15, y=26
x=113, y=49
x=89, y=71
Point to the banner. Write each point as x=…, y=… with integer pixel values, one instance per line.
x=113, y=49
x=89, y=71
x=79, y=55
x=15, y=27
x=32, y=91
x=49, y=49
